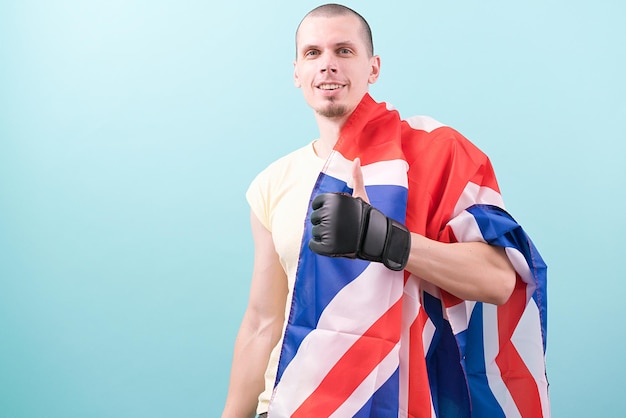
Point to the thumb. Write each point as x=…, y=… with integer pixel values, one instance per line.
x=358, y=186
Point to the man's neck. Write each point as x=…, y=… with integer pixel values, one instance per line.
x=329, y=129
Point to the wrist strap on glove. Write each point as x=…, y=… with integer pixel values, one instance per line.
x=384, y=240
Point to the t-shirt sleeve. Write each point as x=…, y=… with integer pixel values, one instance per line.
x=285, y=176
x=257, y=199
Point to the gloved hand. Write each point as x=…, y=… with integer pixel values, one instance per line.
x=345, y=226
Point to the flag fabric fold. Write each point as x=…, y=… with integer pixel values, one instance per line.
x=364, y=341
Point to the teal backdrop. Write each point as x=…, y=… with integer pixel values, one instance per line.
x=130, y=130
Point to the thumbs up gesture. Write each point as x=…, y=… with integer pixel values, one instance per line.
x=348, y=226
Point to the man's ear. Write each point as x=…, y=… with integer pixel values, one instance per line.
x=296, y=79
x=375, y=69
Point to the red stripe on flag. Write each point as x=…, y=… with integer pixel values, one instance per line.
x=354, y=366
x=516, y=376
x=419, y=390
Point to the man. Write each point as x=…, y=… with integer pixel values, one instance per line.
x=382, y=277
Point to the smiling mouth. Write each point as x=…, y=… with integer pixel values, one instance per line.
x=329, y=86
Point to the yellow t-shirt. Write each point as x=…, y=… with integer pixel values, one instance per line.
x=279, y=197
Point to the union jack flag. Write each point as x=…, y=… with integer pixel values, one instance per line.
x=364, y=341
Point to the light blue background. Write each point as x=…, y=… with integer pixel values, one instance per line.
x=129, y=131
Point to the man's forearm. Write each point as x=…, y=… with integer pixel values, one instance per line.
x=469, y=270
x=253, y=346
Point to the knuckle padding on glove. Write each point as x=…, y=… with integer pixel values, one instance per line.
x=337, y=225
x=344, y=226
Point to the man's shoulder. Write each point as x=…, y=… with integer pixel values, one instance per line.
x=432, y=129
x=291, y=160
x=304, y=152
x=436, y=135
x=424, y=123
x=297, y=160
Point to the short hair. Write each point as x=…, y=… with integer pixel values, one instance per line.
x=332, y=10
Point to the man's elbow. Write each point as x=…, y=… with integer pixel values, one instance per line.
x=505, y=278
x=502, y=292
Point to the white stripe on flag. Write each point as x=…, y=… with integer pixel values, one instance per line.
x=427, y=336
x=371, y=294
x=521, y=267
x=369, y=386
x=410, y=310
x=474, y=194
x=492, y=347
x=424, y=123
x=392, y=172
x=459, y=316
x=466, y=228
x=528, y=343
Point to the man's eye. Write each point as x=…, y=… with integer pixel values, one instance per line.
x=344, y=51
x=311, y=53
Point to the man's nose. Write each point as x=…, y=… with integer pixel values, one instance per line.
x=328, y=64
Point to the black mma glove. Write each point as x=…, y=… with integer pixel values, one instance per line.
x=345, y=226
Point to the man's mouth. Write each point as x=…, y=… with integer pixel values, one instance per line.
x=329, y=86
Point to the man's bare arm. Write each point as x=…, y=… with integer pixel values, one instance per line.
x=260, y=328
x=468, y=270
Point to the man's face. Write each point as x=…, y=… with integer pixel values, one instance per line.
x=333, y=66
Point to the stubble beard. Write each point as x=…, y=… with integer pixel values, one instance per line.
x=332, y=110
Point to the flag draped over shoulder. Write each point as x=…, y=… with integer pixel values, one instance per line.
x=364, y=341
